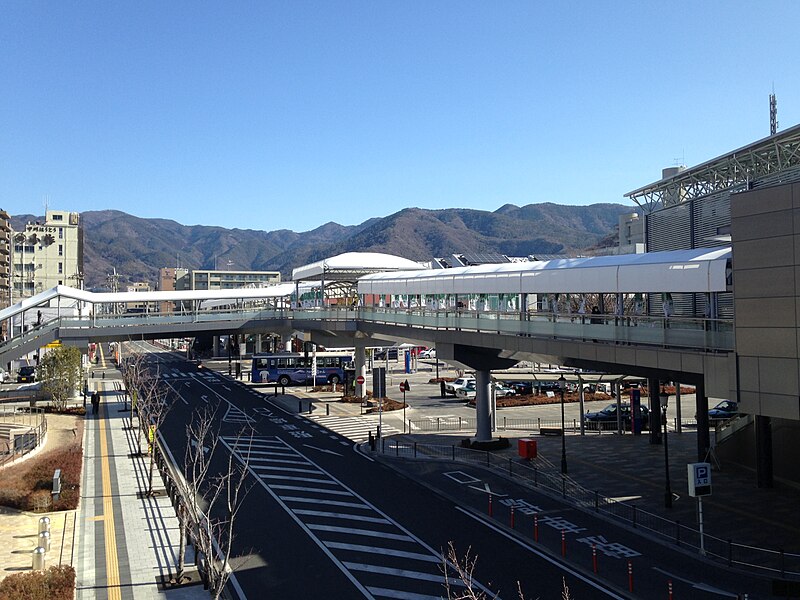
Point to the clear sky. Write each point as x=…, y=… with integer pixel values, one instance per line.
x=270, y=115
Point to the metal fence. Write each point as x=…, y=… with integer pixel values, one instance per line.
x=20, y=432
x=530, y=424
x=547, y=479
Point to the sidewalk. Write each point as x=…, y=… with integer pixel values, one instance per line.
x=126, y=543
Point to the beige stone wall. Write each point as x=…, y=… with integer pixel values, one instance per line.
x=765, y=229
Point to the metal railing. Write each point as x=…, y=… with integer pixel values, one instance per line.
x=20, y=433
x=547, y=479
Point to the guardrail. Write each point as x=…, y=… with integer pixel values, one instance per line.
x=532, y=425
x=20, y=433
x=765, y=560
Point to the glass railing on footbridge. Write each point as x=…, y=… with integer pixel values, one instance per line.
x=676, y=332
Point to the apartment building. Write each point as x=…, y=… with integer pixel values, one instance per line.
x=47, y=254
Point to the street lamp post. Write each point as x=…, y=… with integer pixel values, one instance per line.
x=562, y=383
x=667, y=487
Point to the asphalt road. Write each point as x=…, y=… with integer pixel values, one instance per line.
x=324, y=519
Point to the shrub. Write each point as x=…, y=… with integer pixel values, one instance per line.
x=22, y=484
x=55, y=583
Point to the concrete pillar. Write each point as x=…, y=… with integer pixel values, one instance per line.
x=703, y=437
x=483, y=407
x=361, y=367
x=215, y=352
x=258, y=347
x=653, y=389
x=763, y=428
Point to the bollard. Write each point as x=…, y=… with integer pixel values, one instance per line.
x=563, y=543
x=104, y=374
x=299, y=406
x=44, y=524
x=669, y=589
x=535, y=528
x=310, y=407
x=594, y=558
x=39, y=560
x=512, y=517
x=490, y=505
x=327, y=410
x=630, y=576
x=44, y=540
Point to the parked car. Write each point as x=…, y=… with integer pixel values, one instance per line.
x=451, y=387
x=429, y=353
x=607, y=417
x=5, y=376
x=723, y=411
x=26, y=374
x=390, y=352
x=468, y=391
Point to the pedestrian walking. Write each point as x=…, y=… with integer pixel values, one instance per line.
x=96, y=402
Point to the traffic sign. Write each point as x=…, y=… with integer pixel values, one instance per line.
x=360, y=380
x=699, y=479
x=402, y=386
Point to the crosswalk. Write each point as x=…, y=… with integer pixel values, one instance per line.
x=378, y=555
x=354, y=428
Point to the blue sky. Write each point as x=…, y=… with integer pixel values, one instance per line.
x=271, y=115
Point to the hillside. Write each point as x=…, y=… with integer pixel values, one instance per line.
x=138, y=247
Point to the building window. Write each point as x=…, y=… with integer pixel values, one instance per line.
x=58, y=217
x=60, y=282
x=61, y=250
x=61, y=233
x=60, y=268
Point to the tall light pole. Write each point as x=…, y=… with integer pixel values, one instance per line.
x=667, y=487
x=562, y=383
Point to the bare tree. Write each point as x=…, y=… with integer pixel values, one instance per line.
x=212, y=500
x=460, y=584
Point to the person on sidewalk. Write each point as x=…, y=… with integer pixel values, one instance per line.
x=96, y=402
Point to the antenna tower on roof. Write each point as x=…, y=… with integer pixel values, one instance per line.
x=773, y=113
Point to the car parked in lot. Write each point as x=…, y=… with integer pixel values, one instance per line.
x=390, y=353
x=526, y=388
x=452, y=387
x=727, y=409
x=607, y=417
x=468, y=391
x=26, y=374
x=428, y=353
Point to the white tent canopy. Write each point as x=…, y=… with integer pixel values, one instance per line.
x=698, y=270
x=352, y=265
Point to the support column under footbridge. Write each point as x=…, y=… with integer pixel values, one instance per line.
x=483, y=361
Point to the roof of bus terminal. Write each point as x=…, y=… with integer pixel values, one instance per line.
x=352, y=265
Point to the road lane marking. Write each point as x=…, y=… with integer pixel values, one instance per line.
x=322, y=449
x=344, y=516
x=386, y=551
x=551, y=560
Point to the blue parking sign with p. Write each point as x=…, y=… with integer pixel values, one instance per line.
x=699, y=479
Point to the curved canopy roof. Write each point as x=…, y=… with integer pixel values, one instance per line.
x=699, y=270
x=352, y=265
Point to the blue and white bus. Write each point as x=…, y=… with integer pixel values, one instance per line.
x=292, y=367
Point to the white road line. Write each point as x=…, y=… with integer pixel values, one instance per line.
x=325, y=502
x=344, y=516
x=364, y=532
x=386, y=551
x=298, y=488
x=400, y=595
x=401, y=573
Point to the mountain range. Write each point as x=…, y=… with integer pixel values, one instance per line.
x=137, y=248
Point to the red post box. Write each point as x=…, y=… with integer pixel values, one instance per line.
x=526, y=448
